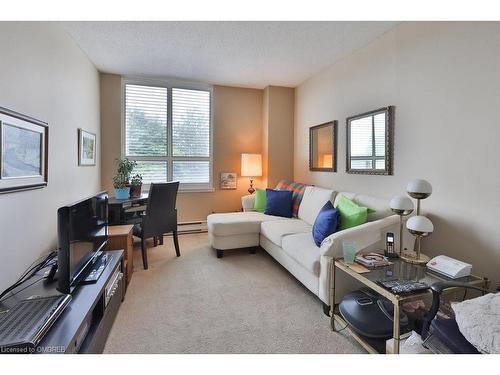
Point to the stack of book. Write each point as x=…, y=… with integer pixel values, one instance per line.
x=373, y=260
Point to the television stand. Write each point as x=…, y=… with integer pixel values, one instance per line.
x=84, y=325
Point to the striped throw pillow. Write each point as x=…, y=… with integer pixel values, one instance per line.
x=297, y=190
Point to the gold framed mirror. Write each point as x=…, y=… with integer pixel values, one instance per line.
x=323, y=147
x=370, y=142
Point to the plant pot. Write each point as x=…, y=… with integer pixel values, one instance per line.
x=135, y=191
x=122, y=193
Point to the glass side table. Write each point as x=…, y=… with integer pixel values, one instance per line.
x=398, y=270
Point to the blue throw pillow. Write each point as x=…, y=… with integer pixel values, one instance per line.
x=278, y=203
x=326, y=223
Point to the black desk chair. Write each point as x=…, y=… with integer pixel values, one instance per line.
x=160, y=217
x=446, y=330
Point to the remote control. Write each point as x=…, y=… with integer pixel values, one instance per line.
x=94, y=275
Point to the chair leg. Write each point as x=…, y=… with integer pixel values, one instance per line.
x=220, y=253
x=176, y=244
x=144, y=253
x=160, y=238
x=155, y=241
x=253, y=250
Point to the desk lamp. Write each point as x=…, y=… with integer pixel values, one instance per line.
x=251, y=166
x=402, y=206
x=419, y=226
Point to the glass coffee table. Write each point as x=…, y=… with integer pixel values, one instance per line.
x=398, y=270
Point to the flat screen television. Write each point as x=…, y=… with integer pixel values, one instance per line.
x=82, y=229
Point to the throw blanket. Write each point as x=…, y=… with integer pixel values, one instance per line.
x=479, y=321
x=297, y=190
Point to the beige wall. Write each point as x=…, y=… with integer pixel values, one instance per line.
x=444, y=80
x=237, y=129
x=278, y=134
x=44, y=74
x=111, y=104
x=265, y=136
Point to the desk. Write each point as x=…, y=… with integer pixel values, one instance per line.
x=125, y=211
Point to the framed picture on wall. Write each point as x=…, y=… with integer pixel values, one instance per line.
x=228, y=180
x=23, y=152
x=86, y=148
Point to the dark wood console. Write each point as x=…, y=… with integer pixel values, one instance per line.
x=86, y=322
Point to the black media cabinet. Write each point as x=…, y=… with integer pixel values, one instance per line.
x=84, y=325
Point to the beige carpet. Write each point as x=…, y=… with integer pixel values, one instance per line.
x=242, y=303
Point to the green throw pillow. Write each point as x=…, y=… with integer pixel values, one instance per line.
x=351, y=214
x=260, y=200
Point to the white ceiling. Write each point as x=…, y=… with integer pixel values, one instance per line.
x=248, y=54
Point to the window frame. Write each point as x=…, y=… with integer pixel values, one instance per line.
x=170, y=84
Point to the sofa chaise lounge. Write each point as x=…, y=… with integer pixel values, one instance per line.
x=290, y=240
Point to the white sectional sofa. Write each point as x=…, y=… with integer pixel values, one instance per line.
x=290, y=240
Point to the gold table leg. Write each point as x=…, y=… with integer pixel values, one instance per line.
x=396, y=329
x=332, y=294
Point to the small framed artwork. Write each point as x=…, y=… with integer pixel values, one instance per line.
x=86, y=148
x=228, y=180
x=24, y=145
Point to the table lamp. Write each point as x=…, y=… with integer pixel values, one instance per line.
x=419, y=189
x=419, y=226
x=251, y=166
x=401, y=206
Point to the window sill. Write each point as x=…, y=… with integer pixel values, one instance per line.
x=184, y=189
x=196, y=190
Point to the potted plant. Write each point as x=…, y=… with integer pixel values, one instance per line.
x=135, y=186
x=120, y=183
x=125, y=167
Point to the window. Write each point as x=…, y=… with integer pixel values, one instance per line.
x=167, y=130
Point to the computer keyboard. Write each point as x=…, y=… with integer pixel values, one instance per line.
x=398, y=286
x=23, y=326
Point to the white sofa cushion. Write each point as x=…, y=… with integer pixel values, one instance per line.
x=232, y=223
x=274, y=231
x=303, y=250
x=380, y=205
x=313, y=200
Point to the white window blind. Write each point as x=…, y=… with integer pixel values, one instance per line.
x=190, y=122
x=168, y=132
x=191, y=171
x=145, y=120
x=368, y=150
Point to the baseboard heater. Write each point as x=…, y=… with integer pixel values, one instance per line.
x=190, y=227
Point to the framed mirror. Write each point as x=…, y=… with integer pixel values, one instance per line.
x=323, y=147
x=370, y=142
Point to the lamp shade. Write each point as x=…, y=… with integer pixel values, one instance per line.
x=420, y=224
x=251, y=165
x=401, y=203
x=419, y=186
